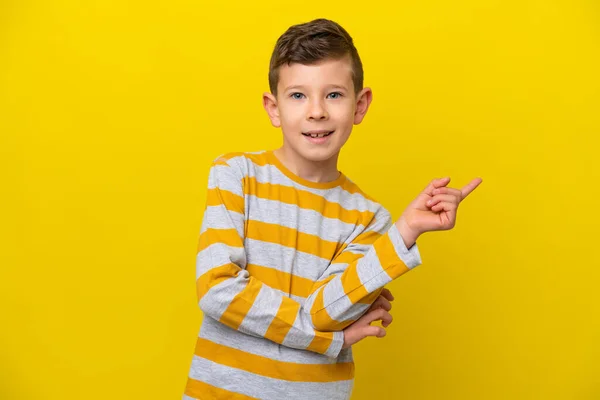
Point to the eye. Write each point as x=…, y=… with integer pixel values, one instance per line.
x=296, y=95
x=336, y=95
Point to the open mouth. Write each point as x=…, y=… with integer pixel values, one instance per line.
x=317, y=135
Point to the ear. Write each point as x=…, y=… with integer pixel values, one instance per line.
x=363, y=100
x=270, y=105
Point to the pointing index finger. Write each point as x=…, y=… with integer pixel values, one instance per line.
x=470, y=187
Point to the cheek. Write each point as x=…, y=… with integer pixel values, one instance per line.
x=290, y=116
x=344, y=112
x=346, y=118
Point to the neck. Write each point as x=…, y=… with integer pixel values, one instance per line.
x=314, y=171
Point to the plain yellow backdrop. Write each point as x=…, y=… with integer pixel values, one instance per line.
x=111, y=111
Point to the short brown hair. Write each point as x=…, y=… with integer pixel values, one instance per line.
x=311, y=42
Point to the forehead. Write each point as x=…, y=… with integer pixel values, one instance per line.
x=326, y=72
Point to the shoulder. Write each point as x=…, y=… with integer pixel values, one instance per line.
x=240, y=163
x=379, y=216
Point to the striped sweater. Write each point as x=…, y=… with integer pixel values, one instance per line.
x=283, y=266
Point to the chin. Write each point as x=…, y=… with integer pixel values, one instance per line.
x=319, y=154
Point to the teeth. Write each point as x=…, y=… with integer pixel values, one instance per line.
x=319, y=135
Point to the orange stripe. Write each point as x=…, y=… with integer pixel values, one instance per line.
x=286, y=282
x=388, y=258
x=289, y=237
x=240, y=305
x=264, y=366
x=347, y=257
x=321, y=342
x=215, y=276
x=306, y=200
x=231, y=201
x=367, y=238
x=352, y=285
x=229, y=156
x=258, y=159
x=283, y=321
x=202, y=390
x=221, y=162
x=321, y=318
x=230, y=237
x=371, y=297
x=320, y=283
x=349, y=278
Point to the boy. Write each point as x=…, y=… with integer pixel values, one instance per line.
x=293, y=256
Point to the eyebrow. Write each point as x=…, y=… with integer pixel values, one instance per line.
x=302, y=87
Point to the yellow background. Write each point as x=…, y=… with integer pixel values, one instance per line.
x=111, y=111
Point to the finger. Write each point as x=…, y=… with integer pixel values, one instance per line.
x=373, y=331
x=378, y=314
x=387, y=294
x=354, y=334
x=448, y=190
x=387, y=319
x=444, y=206
x=442, y=197
x=382, y=302
x=470, y=187
x=436, y=183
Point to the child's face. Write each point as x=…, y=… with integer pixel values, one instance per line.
x=313, y=98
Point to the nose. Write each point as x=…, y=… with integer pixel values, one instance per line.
x=317, y=111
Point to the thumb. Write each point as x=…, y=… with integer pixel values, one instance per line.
x=375, y=331
x=436, y=183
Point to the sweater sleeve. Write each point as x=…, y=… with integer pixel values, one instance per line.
x=356, y=277
x=228, y=293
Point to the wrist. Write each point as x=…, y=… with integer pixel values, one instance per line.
x=408, y=235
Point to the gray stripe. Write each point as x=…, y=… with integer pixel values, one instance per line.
x=375, y=277
x=341, y=308
x=219, y=217
x=216, y=332
x=286, y=259
x=239, y=381
x=411, y=257
x=261, y=313
x=218, y=298
x=218, y=254
x=301, y=219
x=227, y=179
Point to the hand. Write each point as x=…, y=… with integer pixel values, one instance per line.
x=379, y=311
x=434, y=209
